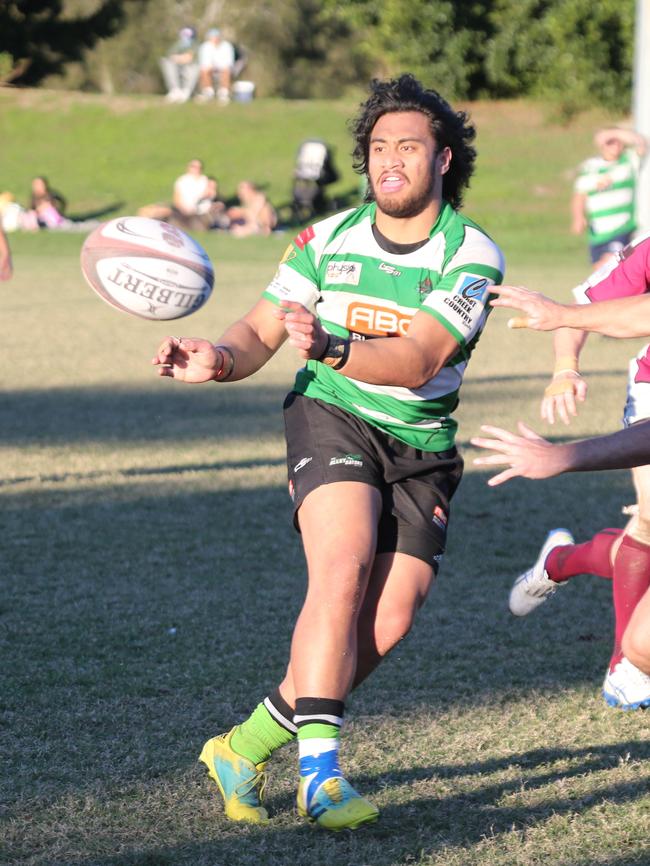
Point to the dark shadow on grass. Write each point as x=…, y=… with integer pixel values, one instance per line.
x=423, y=826
x=166, y=412
x=96, y=214
x=141, y=472
x=166, y=620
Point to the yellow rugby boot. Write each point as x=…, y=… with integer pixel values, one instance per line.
x=240, y=781
x=334, y=804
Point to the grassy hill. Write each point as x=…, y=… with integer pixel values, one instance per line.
x=120, y=153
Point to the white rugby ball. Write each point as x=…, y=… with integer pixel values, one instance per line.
x=147, y=268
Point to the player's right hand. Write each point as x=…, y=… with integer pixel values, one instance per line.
x=188, y=359
x=560, y=396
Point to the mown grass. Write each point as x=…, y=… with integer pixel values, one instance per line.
x=151, y=576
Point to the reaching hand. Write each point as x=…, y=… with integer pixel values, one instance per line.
x=529, y=455
x=542, y=314
x=560, y=396
x=188, y=359
x=305, y=331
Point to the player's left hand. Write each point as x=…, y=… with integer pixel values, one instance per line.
x=306, y=334
x=541, y=313
x=529, y=455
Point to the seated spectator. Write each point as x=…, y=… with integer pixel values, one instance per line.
x=180, y=68
x=210, y=211
x=189, y=189
x=47, y=205
x=216, y=60
x=255, y=215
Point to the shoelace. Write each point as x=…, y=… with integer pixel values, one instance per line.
x=333, y=789
x=249, y=786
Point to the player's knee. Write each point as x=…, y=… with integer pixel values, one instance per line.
x=639, y=528
x=636, y=646
x=339, y=577
x=393, y=628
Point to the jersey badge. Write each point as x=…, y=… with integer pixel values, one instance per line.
x=425, y=287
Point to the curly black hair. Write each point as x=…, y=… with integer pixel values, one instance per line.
x=450, y=128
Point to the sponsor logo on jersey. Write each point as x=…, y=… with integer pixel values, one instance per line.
x=302, y=463
x=347, y=460
x=304, y=237
x=389, y=269
x=378, y=321
x=347, y=273
x=471, y=287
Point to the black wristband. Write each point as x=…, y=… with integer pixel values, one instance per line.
x=336, y=352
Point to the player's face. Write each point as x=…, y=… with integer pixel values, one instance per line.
x=611, y=149
x=404, y=167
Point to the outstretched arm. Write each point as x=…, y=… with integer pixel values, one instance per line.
x=241, y=350
x=528, y=455
x=621, y=317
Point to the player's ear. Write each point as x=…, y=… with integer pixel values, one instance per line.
x=443, y=160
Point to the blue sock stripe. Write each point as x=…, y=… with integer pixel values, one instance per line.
x=324, y=766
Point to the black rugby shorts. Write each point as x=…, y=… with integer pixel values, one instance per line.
x=325, y=444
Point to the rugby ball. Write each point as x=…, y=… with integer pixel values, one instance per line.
x=147, y=268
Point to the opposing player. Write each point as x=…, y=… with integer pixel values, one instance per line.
x=613, y=301
x=530, y=456
x=384, y=303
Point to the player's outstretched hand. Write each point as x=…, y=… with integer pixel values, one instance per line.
x=306, y=334
x=560, y=396
x=188, y=359
x=528, y=455
x=540, y=312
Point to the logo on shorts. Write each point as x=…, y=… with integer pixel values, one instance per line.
x=440, y=518
x=347, y=460
x=301, y=463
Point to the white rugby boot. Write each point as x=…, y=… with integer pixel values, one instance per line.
x=534, y=586
x=627, y=687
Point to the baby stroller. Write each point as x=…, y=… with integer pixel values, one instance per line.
x=314, y=171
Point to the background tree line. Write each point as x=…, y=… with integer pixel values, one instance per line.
x=575, y=51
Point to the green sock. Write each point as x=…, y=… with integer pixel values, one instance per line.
x=260, y=735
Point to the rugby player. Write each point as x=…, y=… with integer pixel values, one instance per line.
x=384, y=303
x=614, y=301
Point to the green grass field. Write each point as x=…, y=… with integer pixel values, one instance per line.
x=151, y=576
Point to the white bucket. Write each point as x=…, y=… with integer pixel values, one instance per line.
x=243, y=91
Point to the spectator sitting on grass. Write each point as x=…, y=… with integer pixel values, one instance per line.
x=255, y=215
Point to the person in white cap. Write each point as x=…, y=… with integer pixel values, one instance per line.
x=216, y=60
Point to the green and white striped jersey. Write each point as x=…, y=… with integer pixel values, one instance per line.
x=360, y=290
x=609, y=186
